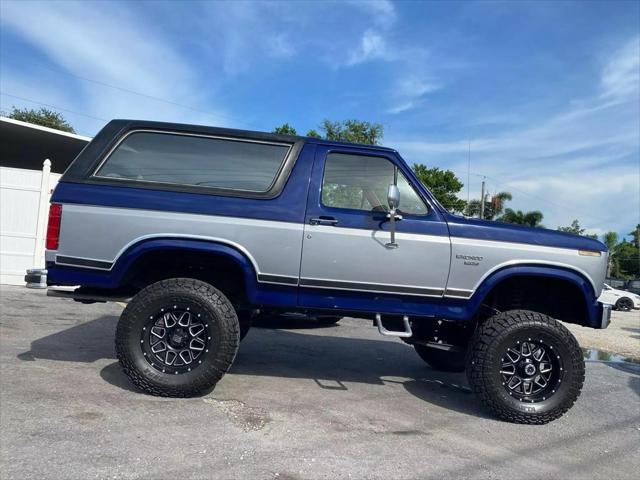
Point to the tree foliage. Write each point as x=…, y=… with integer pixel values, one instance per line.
x=43, y=117
x=576, y=229
x=492, y=208
x=443, y=184
x=285, y=129
x=353, y=131
x=532, y=219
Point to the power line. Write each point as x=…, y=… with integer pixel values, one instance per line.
x=52, y=106
x=145, y=95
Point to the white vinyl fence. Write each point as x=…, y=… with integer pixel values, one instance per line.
x=24, y=209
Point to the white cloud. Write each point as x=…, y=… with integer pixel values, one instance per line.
x=382, y=12
x=372, y=47
x=110, y=45
x=581, y=163
x=621, y=76
x=409, y=92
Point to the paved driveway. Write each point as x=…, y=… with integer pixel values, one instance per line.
x=300, y=402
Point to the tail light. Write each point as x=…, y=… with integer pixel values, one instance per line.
x=53, y=227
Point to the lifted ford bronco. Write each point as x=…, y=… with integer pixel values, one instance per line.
x=198, y=228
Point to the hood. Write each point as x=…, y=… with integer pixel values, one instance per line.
x=507, y=232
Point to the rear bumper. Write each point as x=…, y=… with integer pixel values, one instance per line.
x=36, y=278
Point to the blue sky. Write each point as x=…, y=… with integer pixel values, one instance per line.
x=547, y=94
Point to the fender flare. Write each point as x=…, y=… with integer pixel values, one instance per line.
x=542, y=271
x=136, y=250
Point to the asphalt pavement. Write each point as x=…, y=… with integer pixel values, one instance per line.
x=299, y=402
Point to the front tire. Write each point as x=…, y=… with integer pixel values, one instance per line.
x=525, y=367
x=177, y=338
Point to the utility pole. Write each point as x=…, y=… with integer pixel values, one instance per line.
x=469, y=173
x=482, y=201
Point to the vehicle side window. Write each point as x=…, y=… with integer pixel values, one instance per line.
x=360, y=182
x=195, y=160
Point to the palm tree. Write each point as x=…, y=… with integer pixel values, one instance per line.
x=519, y=217
x=492, y=208
x=610, y=239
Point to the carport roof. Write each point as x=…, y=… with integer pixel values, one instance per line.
x=25, y=145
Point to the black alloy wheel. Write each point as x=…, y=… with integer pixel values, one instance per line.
x=176, y=338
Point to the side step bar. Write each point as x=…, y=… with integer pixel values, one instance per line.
x=85, y=297
x=392, y=333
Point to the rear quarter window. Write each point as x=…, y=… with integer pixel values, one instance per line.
x=183, y=159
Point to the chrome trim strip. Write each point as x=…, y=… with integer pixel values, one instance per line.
x=458, y=293
x=371, y=287
x=277, y=279
x=84, y=263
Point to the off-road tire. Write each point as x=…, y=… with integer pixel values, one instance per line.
x=442, y=360
x=488, y=345
x=222, y=347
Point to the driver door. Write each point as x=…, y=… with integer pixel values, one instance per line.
x=345, y=252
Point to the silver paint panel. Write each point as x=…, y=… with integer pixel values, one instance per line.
x=360, y=256
x=496, y=255
x=104, y=233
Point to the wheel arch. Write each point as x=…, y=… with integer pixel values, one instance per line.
x=138, y=256
x=563, y=293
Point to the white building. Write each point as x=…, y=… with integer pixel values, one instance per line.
x=32, y=159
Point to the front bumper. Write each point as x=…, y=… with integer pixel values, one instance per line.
x=605, y=318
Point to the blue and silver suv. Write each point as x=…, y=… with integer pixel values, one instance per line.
x=200, y=228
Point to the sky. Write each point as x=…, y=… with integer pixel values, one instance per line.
x=542, y=97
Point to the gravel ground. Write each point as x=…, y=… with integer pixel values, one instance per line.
x=299, y=402
x=622, y=336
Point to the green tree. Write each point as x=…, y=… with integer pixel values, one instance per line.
x=43, y=117
x=313, y=133
x=285, y=129
x=353, y=131
x=610, y=239
x=576, y=229
x=519, y=217
x=492, y=208
x=635, y=236
x=443, y=184
x=627, y=259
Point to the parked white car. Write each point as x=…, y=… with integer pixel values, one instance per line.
x=620, y=299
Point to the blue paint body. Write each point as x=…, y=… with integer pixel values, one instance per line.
x=298, y=202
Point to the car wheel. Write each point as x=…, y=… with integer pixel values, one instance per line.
x=442, y=360
x=624, y=304
x=177, y=337
x=525, y=367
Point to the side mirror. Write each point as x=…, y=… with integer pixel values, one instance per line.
x=393, y=197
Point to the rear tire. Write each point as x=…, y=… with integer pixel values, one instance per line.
x=525, y=367
x=177, y=338
x=441, y=360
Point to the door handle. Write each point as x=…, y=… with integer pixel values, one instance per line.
x=324, y=220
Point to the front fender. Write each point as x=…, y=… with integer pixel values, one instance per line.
x=593, y=308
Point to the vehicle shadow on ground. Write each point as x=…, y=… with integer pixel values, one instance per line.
x=331, y=361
